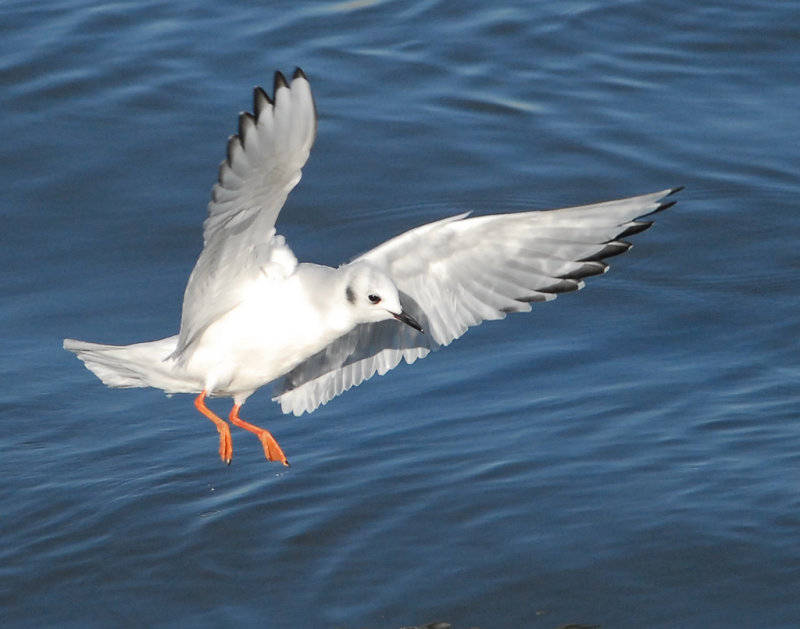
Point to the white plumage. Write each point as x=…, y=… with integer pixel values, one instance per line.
x=253, y=315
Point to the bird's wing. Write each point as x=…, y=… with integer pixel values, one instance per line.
x=458, y=272
x=263, y=164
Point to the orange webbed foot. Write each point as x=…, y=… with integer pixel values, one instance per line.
x=225, y=441
x=272, y=450
x=225, y=445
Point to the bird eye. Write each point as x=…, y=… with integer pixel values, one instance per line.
x=374, y=298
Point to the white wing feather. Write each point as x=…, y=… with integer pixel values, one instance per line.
x=458, y=272
x=263, y=164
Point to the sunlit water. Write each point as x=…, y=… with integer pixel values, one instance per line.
x=627, y=456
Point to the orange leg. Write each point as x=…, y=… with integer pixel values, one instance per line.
x=272, y=450
x=225, y=443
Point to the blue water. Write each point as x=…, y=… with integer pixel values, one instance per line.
x=627, y=456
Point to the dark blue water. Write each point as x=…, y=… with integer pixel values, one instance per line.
x=627, y=456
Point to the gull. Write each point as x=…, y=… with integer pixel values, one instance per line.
x=253, y=315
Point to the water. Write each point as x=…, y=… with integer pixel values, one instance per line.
x=626, y=456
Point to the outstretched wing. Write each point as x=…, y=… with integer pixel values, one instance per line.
x=262, y=166
x=458, y=272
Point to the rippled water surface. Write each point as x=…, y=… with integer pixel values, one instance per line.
x=627, y=456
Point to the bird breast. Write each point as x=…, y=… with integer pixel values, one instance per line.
x=277, y=325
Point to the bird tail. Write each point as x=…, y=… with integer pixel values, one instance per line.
x=139, y=365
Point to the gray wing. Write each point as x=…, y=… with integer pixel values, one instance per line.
x=458, y=272
x=263, y=164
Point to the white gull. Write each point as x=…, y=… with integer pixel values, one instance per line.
x=253, y=315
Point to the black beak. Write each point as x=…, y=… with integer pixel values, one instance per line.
x=408, y=320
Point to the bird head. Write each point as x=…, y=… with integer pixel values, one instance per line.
x=373, y=295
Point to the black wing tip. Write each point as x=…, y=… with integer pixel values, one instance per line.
x=610, y=249
x=662, y=206
x=665, y=205
x=635, y=227
x=246, y=121
x=280, y=81
x=562, y=286
x=261, y=100
x=594, y=264
x=260, y=97
x=587, y=269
